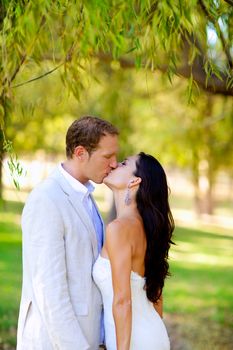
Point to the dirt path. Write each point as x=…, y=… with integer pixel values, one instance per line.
x=189, y=334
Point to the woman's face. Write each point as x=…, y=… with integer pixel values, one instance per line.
x=120, y=177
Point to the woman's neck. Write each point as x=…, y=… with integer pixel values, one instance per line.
x=123, y=209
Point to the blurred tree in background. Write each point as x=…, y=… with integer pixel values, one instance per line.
x=112, y=56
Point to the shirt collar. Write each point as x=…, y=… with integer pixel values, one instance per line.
x=83, y=189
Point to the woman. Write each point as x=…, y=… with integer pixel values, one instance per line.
x=132, y=267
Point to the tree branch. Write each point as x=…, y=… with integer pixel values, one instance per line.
x=24, y=56
x=230, y=2
x=151, y=12
x=18, y=68
x=38, y=77
x=225, y=46
x=68, y=58
x=213, y=84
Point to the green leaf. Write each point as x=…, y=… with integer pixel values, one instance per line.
x=138, y=62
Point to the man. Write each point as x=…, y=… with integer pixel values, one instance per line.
x=62, y=236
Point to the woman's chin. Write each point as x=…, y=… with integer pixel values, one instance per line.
x=107, y=181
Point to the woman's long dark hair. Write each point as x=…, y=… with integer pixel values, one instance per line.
x=153, y=206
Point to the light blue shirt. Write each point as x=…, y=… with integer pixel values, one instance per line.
x=85, y=191
x=98, y=226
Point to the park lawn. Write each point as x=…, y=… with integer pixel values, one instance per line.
x=200, y=289
x=10, y=270
x=198, y=295
x=202, y=274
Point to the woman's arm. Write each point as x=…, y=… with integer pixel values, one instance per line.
x=159, y=306
x=119, y=252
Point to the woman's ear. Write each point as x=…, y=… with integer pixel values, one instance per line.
x=134, y=182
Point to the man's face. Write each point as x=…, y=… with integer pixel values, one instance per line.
x=103, y=159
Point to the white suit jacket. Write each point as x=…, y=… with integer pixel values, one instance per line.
x=60, y=304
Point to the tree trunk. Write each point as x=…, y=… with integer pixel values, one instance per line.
x=203, y=189
x=203, y=167
x=195, y=175
x=205, y=185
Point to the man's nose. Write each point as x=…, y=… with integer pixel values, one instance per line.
x=114, y=163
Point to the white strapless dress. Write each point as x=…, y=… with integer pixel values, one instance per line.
x=148, y=329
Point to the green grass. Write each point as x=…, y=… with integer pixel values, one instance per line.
x=10, y=271
x=198, y=295
x=199, y=292
x=202, y=275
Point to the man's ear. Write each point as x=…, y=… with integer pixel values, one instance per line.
x=134, y=182
x=80, y=152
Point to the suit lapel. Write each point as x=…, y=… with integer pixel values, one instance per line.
x=84, y=216
x=78, y=207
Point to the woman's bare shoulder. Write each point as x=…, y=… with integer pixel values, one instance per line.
x=124, y=225
x=118, y=238
x=119, y=224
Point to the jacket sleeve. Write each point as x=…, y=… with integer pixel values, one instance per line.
x=44, y=248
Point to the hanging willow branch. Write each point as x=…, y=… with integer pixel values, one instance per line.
x=38, y=77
